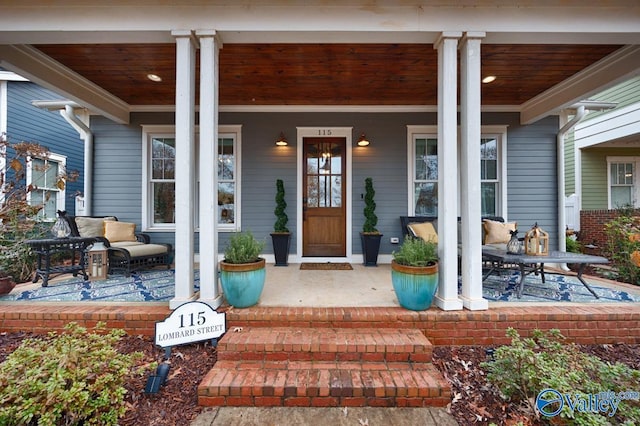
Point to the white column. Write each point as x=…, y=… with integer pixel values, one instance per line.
x=471, y=201
x=209, y=48
x=447, y=297
x=184, y=169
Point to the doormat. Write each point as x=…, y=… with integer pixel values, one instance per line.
x=327, y=266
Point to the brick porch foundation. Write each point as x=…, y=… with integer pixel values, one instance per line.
x=615, y=323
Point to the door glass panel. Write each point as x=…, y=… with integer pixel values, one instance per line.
x=324, y=174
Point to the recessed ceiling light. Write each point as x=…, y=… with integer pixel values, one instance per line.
x=154, y=77
x=489, y=79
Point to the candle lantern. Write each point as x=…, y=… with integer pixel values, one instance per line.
x=98, y=261
x=536, y=242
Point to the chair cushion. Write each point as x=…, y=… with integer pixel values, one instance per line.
x=141, y=249
x=424, y=230
x=119, y=231
x=89, y=227
x=497, y=232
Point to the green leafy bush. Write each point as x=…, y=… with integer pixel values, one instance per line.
x=416, y=252
x=623, y=241
x=68, y=379
x=243, y=248
x=545, y=361
x=572, y=245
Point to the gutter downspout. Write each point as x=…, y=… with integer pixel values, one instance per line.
x=87, y=135
x=562, y=221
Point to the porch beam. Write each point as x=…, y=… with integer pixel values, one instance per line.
x=470, y=201
x=622, y=64
x=209, y=72
x=39, y=68
x=447, y=296
x=186, y=46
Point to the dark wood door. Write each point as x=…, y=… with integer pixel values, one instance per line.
x=324, y=230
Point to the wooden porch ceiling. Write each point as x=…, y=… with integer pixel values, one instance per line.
x=325, y=74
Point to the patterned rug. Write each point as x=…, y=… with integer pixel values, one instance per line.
x=558, y=288
x=327, y=266
x=150, y=286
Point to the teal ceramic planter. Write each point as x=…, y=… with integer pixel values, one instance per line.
x=242, y=284
x=415, y=287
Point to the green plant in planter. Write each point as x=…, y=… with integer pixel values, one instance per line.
x=243, y=247
x=371, y=220
x=370, y=236
x=414, y=273
x=281, y=205
x=242, y=272
x=416, y=252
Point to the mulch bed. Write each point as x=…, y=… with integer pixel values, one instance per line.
x=474, y=400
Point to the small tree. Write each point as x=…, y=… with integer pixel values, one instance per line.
x=17, y=215
x=371, y=220
x=623, y=245
x=281, y=205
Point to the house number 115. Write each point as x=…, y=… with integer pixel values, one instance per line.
x=324, y=132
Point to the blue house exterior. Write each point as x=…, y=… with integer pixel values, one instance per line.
x=22, y=121
x=190, y=163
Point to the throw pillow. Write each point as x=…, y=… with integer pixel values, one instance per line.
x=497, y=232
x=89, y=227
x=119, y=231
x=424, y=230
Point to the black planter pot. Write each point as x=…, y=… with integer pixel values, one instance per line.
x=370, y=248
x=281, y=243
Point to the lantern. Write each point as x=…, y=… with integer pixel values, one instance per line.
x=536, y=242
x=98, y=261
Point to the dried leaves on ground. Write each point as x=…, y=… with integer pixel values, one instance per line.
x=474, y=400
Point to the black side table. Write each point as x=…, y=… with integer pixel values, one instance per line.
x=72, y=246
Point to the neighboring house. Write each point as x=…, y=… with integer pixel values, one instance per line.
x=174, y=160
x=602, y=158
x=20, y=120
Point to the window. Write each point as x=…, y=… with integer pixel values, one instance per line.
x=160, y=148
x=423, y=170
x=623, y=181
x=43, y=175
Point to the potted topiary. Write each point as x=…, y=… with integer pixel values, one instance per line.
x=370, y=236
x=242, y=272
x=281, y=237
x=414, y=273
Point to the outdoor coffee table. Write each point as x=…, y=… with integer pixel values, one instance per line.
x=73, y=247
x=535, y=264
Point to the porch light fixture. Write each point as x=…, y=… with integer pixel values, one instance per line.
x=281, y=141
x=489, y=79
x=154, y=77
x=363, y=141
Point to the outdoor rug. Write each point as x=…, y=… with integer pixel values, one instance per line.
x=558, y=288
x=327, y=266
x=149, y=286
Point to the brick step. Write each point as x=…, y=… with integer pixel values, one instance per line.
x=323, y=384
x=325, y=344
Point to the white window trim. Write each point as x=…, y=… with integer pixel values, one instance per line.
x=636, y=179
x=168, y=131
x=61, y=160
x=496, y=131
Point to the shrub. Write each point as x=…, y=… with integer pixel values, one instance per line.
x=72, y=378
x=572, y=245
x=371, y=220
x=243, y=248
x=281, y=205
x=544, y=361
x=623, y=243
x=416, y=252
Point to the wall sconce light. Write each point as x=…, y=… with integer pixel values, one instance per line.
x=363, y=141
x=281, y=141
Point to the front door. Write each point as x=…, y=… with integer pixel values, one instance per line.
x=324, y=225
